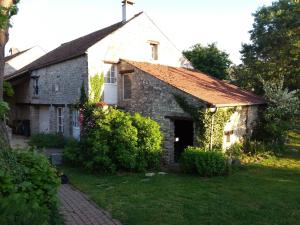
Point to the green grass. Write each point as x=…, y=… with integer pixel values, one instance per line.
x=265, y=193
x=294, y=140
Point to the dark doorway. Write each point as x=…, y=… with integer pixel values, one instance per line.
x=184, y=136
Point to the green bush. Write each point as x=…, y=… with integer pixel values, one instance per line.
x=204, y=163
x=28, y=179
x=15, y=209
x=116, y=141
x=72, y=152
x=113, y=143
x=236, y=150
x=44, y=140
x=148, y=144
x=40, y=181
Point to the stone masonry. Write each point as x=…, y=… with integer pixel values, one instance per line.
x=59, y=86
x=154, y=98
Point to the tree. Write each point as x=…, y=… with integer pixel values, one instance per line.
x=8, y=8
x=209, y=60
x=283, y=106
x=274, y=50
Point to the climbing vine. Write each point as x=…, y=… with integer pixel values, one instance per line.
x=203, y=120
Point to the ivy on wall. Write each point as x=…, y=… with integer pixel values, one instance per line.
x=203, y=123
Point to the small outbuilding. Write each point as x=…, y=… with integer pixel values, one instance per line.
x=169, y=94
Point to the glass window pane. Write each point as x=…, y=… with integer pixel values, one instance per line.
x=127, y=87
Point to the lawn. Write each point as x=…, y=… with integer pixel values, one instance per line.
x=294, y=137
x=265, y=193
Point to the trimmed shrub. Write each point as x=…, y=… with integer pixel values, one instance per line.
x=43, y=140
x=204, y=163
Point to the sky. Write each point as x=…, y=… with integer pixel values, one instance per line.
x=49, y=23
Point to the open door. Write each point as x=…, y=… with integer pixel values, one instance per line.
x=184, y=137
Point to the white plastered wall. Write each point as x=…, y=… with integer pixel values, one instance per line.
x=132, y=42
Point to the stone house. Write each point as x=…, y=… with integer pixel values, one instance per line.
x=142, y=70
x=13, y=63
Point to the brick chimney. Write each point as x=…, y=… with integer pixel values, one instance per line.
x=127, y=9
x=13, y=51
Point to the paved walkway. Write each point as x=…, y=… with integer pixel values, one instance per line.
x=77, y=209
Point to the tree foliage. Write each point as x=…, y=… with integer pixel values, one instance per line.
x=209, y=60
x=6, y=12
x=280, y=113
x=274, y=50
x=96, y=91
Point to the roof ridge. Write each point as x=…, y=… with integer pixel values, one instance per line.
x=72, y=49
x=110, y=26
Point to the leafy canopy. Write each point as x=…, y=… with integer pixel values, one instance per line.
x=283, y=107
x=7, y=13
x=209, y=60
x=274, y=50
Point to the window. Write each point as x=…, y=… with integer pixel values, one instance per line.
x=36, y=87
x=75, y=121
x=154, y=51
x=126, y=87
x=228, y=136
x=110, y=76
x=56, y=88
x=60, y=119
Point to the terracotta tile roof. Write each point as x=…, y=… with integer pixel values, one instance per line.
x=71, y=49
x=206, y=88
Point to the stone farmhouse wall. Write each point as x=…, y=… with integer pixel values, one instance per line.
x=241, y=124
x=59, y=86
x=155, y=99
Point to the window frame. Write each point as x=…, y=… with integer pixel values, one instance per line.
x=113, y=70
x=154, y=50
x=36, y=86
x=60, y=115
x=123, y=84
x=75, y=118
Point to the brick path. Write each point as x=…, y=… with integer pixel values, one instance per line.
x=77, y=209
